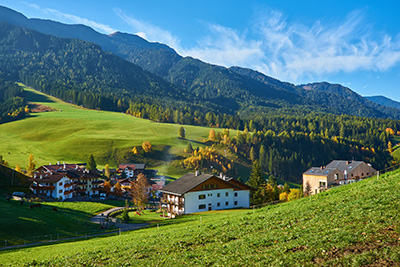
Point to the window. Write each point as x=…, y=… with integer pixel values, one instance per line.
x=336, y=176
x=202, y=207
x=60, y=183
x=236, y=194
x=60, y=191
x=218, y=204
x=226, y=203
x=235, y=203
x=226, y=194
x=215, y=186
x=362, y=174
x=322, y=184
x=218, y=194
x=202, y=196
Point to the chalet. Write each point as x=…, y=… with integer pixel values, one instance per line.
x=58, y=185
x=65, y=181
x=338, y=172
x=196, y=192
x=132, y=169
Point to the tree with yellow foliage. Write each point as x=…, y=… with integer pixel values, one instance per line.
x=31, y=166
x=390, y=147
x=134, y=150
x=211, y=135
x=146, y=145
x=18, y=168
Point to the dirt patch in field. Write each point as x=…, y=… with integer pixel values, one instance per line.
x=36, y=108
x=337, y=253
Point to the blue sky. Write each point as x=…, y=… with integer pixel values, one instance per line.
x=354, y=43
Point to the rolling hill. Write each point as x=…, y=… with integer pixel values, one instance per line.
x=351, y=225
x=71, y=133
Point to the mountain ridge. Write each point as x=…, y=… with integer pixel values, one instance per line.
x=233, y=89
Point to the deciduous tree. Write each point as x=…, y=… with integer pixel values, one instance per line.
x=91, y=164
x=146, y=145
x=211, y=135
x=107, y=171
x=140, y=191
x=31, y=165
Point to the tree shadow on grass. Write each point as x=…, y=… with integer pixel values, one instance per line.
x=33, y=97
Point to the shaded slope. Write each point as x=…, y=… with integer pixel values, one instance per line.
x=382, y=100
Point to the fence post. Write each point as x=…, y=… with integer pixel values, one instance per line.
x=377, y=175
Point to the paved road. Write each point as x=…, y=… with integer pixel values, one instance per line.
x=101, y=218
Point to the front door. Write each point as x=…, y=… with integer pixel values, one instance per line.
x=209, y=208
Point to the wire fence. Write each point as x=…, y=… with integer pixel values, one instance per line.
x=55, y=237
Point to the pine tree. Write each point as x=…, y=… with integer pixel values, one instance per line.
x=189, y=148
x=91, y=164
x=181, y=132
x=256, y=181
x=253, y=154
x=263, y=157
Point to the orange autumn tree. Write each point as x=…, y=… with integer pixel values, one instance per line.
x=140, y=191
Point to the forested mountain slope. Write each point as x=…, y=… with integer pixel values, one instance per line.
x=226, y=90
x=384, y=101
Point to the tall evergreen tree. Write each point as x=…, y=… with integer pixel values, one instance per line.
x=91, y=164
x=181, y=132
x=286, y=188
x=256, y=181
x=263, y=157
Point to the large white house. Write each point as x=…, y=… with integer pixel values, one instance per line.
x=65, y=181
x=196, y=192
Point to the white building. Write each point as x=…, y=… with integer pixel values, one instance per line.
x=57, y=185
x=196, y=192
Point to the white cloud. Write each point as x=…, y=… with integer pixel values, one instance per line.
x=225, y=46
x=148, y=31
x=68, y=18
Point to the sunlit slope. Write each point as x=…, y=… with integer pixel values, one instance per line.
x=72, y=133
x=353, y=225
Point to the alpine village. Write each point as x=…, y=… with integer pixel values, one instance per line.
x=118, y=151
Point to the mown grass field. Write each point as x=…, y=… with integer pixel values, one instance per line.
x=352, y=225
x=72, y=133
x=19, y=224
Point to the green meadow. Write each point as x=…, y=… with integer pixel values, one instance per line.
x=352, y=225
x=71, y=133
x=19, y=224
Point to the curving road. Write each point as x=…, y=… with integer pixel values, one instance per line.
x=101, y=219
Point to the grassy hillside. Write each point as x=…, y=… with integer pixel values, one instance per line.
x=356, y=225
x=20, y=223
x=72, y=133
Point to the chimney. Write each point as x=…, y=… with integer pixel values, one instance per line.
x=221, y=174
x=347, y=162
x=50, y=163
x=34, y=176
x=224, y=177
x=41, y=176
x=58, y=163
x=196, y=173
x=64, y=166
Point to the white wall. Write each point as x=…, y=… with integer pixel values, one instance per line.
x=192, y=200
